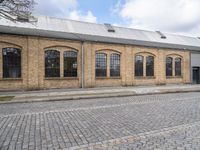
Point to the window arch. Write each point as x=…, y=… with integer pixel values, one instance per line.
x=11, y=63
x=178, y=66
x=52, y=63
x=101, y=65
x=149, y=66
x=169, y=66
x=70, y=64
x=139, y=59
x=115, y=65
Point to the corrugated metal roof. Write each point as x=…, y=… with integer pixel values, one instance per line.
x=69, y=29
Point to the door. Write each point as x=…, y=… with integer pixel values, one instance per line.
x=195, y=75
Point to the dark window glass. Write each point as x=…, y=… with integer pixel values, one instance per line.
x=139, y=65
x=169, y=62
x=70, y=64
x=114, y=65
x=11, y=63
x=150, y=66
x=52, y=63
x=101, y=65
x=178, y=67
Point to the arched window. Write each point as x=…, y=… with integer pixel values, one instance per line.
x=11, y=63
x=139, y=65
x=149, y=66
x=70, y=64
x=101, y=65
x=52, y=63
x=114, y=65
x=169, y=64
x=177, y=66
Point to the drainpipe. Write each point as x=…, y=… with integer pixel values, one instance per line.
x=82, y=64
x=191, y=80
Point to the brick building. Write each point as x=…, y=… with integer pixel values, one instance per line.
x=56, y=53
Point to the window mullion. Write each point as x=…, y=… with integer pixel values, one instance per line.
x=173, y=67
x=144, y=66
x=108, y=65
x=1, y=63
x=61, y=64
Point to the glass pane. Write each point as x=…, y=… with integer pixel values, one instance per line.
x=11, y=63
x=101, y=65
x=150, y=66
x=52, y=63
x=114, y=65
x=178, y=67
x=139, y=65
x=70, y=64
x=169, y=61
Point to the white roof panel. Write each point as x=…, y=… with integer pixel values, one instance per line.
x=69, y=29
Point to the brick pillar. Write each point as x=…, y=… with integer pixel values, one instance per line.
x=160, y=68
x=89, y=70
x=186, y=67
x=128, y=74
x=32, y=64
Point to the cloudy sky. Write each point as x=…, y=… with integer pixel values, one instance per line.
x=173, y=16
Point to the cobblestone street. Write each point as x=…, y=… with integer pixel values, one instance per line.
x=168, y=121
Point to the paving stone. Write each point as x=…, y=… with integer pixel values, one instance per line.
x=168, y=121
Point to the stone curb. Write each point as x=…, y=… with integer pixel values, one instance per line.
x=93, y=96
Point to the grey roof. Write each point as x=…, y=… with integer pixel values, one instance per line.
x=76, y=30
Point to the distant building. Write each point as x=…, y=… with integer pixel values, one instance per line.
x=57, y=53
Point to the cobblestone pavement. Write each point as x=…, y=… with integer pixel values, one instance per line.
x=168, y=121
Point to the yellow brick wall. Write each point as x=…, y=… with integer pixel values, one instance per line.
x=33, y=74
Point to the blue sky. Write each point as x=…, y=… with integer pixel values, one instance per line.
x=100, y=8
x=173, y=16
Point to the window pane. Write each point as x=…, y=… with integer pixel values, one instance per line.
x=11, y=63
x=70, y=64
x=139, y=65
x=101, y=65
x=150, y=66
x=178, y=67
x=52, y=63
x=114, y=65
x=169, y=61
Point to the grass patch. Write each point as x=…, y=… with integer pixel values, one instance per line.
x=6, y=98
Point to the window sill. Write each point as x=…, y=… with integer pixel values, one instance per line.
x=11, y=79
x=144, y=78
x=61, y=78
x=174, y=77
x=115, y=78
x=106, y=78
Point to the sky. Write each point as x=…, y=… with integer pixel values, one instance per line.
x=172, y=16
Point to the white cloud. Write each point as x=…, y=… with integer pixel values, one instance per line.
x=116, y=8
x=77, y=15
x=54, y=7
x=182, y=16
x=63, y=9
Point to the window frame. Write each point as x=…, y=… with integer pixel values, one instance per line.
x=104, y=73
x=15, y=68
x=141, y=72
x=58, y=61
x=178, y=69
x=167, y=68
x=115, y=61
x=73, y=73
x=152, y=67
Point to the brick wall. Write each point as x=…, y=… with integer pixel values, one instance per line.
x=33, y=64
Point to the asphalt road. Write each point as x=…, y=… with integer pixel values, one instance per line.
x=168, y=121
